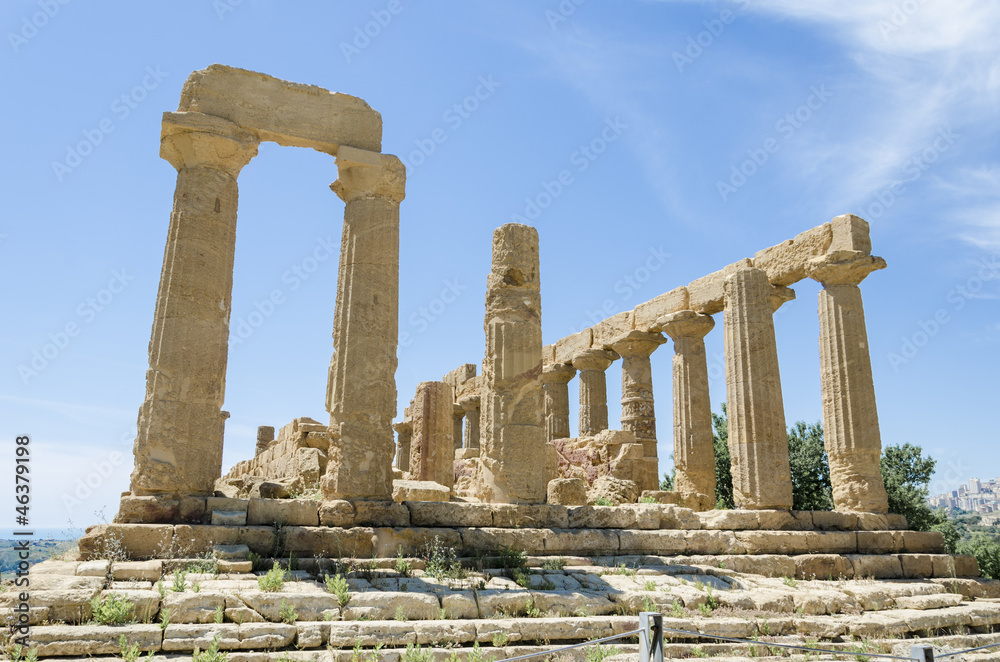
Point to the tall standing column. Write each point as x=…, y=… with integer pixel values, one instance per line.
x=404, y=435
x=758, y=442
x=178, y=448
x=694, y=451
x=638, y=411
x=432, y=451
x=593, y=389
x=512, y=453
x=850, y=417
x=555, y=387
x=458, y=421
x=361, y=390
x=470, y=404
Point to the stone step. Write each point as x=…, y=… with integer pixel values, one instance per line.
x=229, y=518
x=231, y=552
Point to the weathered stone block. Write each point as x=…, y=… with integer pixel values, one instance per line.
x=714, y=542
x=331, y=542
x=823, y=566
x=567, y=348
x=336, y=513
x=966, y=566
x=140, y=541
x=611, y=328
x=785, y=263
x=380, y=513
x=583, y=541
x=923, y=542
x=147, y=510
x=530, y=515
x=419, y=490
x=262, y=540
x=601, y=517
x=834, y=521
x=426, y=513
x=88, y=640
x=191, y=607
x=489, y=539
x=705, y=294
x=879, y=542
x=872, y=522
x=916, y=566
x=876, y=567
x=645, y=314
x=133, y=571
x=731, y=520
x=850, y=233
x=283, y=512
x=413, y=541
x=567, y=492
x=652, y=542
x=197, y=539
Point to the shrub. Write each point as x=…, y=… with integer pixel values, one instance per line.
x=274, y=580
x=287, y=613
x=112, y=609
x=339, y=587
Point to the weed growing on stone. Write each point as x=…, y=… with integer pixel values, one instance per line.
x=129, y=653
x=160, y=588
x=442, y=561
x=256, y=562
x=165, y=617
x=413, y=653
x=647, y=499
x=790, y=581
x=677, y=610
x=555, y=563
x=179, y=581
x=599, y=653
x=648, y=604
x=500, y=639
x=339, y=587
x=698, y=652
x=112, y=609
x=603, y=501
x=213, y=654
x=196, y=587
x=403, y=567
x=623, y=569
x=274, y=580
x=401, y=614
x=287, y=613
x=220, y=614
x=476, y=654
x=650, y=585
x=531, y=610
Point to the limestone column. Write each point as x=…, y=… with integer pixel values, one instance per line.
x=512, y=451
x=470, y=404
x=758, y=442
x=694, y=450
x=178, y=448
x=361, y=390
x=458, y=421
x=638, y=412
x=404, y=434
x=850, y=417
x=432, y=450
x=555, y=387
x=593, y=389
x=265, y=435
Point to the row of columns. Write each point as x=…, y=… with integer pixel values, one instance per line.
x=757, y=434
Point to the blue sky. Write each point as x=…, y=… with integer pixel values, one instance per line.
x=626, y=123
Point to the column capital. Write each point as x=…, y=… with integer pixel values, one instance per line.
x=594, y=359
x=362, y=174
x=780, y=295
x=557, y=373
x=470, y=402
x=637, y=343
x=458, y=411
x=843, y=267
x=188, y=140
x=403, y=427
x=685, y=324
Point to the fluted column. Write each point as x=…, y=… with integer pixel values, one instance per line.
x=694, y=450
x=432, y=451
x=458, y=421
x=850, y=417
x=470, y=404
x=512, y=454
x=178, y=448
x=638, y=411
x=361, y=389
x=404, y=434
x=758, y=442
x=593, y=389
x=555, y=387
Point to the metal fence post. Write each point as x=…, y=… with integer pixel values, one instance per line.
x=922, y=653
x=651, y=638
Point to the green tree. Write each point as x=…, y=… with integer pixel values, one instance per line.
x=986, y=549
x=906, y=473
x=810, y=469
x=723, y=462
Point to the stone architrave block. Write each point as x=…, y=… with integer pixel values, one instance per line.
x=785, y=263
x=610, y=329
x=850, y=233
x=705, y=293
x=567, y=348
x=644, y=315
x=548, y=354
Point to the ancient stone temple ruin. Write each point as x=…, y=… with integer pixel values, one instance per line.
x=475, y=514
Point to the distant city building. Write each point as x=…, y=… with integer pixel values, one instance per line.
x=977, y=496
